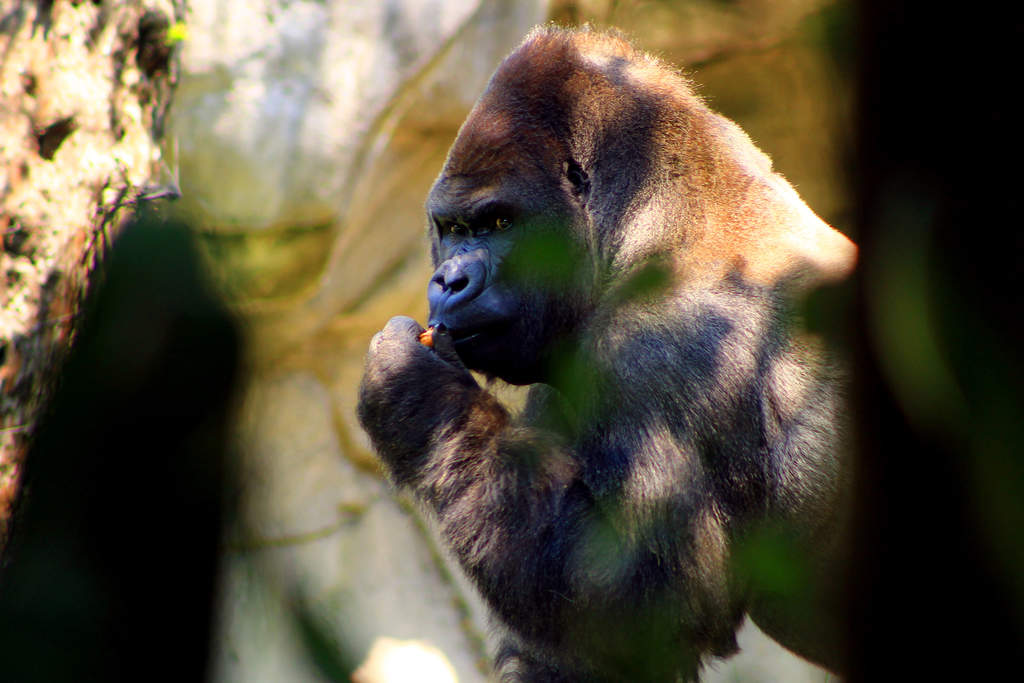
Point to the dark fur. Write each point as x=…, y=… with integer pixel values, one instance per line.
x=677, y=418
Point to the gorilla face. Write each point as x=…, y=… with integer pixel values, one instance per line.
x=509, y=284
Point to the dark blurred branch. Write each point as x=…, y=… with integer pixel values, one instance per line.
x=938, y=593
x=115, y=548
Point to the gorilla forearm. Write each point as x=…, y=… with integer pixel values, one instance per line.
x=501, y=491
x=521, y=499
x=498, y=488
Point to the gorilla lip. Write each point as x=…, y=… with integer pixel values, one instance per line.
x=467, y=338
x=461, y=337
x=428, y=336
x=458, y=335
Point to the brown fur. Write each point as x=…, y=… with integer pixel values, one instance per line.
x=672, y=424
x=738, y=214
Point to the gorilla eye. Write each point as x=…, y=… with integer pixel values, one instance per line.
x=496, y=224
x=457, y=229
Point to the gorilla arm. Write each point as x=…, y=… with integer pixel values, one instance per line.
x=574, y=542
x=498, y=489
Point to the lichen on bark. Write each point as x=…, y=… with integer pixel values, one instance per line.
x=84, y=88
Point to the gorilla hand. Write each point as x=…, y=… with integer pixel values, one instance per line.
x=409, y=390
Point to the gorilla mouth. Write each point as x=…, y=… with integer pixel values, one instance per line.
x=476, y=330
x=480, y=345
x=464, y=336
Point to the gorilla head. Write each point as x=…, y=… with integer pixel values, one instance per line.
x=509, y=228
x=596, y=228
x=583, y=161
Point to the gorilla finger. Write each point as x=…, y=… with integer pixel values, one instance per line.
x=402, y=326
x=400, y=331
x=444, y=346
x=375, y=342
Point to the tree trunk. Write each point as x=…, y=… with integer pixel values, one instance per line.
x=84, y=87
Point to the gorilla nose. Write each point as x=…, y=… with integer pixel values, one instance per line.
x=453, y=277
x=456, y=282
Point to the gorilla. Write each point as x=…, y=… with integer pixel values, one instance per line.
x=600, y=234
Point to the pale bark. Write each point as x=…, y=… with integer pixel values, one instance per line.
x=84, y=88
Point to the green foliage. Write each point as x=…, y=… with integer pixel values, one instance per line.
x=543, y=257
x=770, y=562
x=648, y=282
x=176, y=33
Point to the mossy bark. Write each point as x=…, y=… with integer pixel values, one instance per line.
x=84, y=87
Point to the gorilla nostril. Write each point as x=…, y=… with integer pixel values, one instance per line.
x=457, y=282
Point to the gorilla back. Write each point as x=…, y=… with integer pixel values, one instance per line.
x=599, y=233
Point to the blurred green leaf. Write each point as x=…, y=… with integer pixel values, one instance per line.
x=770, y=561
x=543, y=257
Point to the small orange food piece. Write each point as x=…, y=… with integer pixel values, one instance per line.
x=427, y=337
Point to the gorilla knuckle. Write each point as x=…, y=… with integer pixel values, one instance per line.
x=402, y=324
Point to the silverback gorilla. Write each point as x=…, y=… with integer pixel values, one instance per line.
x=599, y=233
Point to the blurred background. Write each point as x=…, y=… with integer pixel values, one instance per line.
x=303, y=136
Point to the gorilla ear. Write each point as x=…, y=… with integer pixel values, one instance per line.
x=577, y=177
